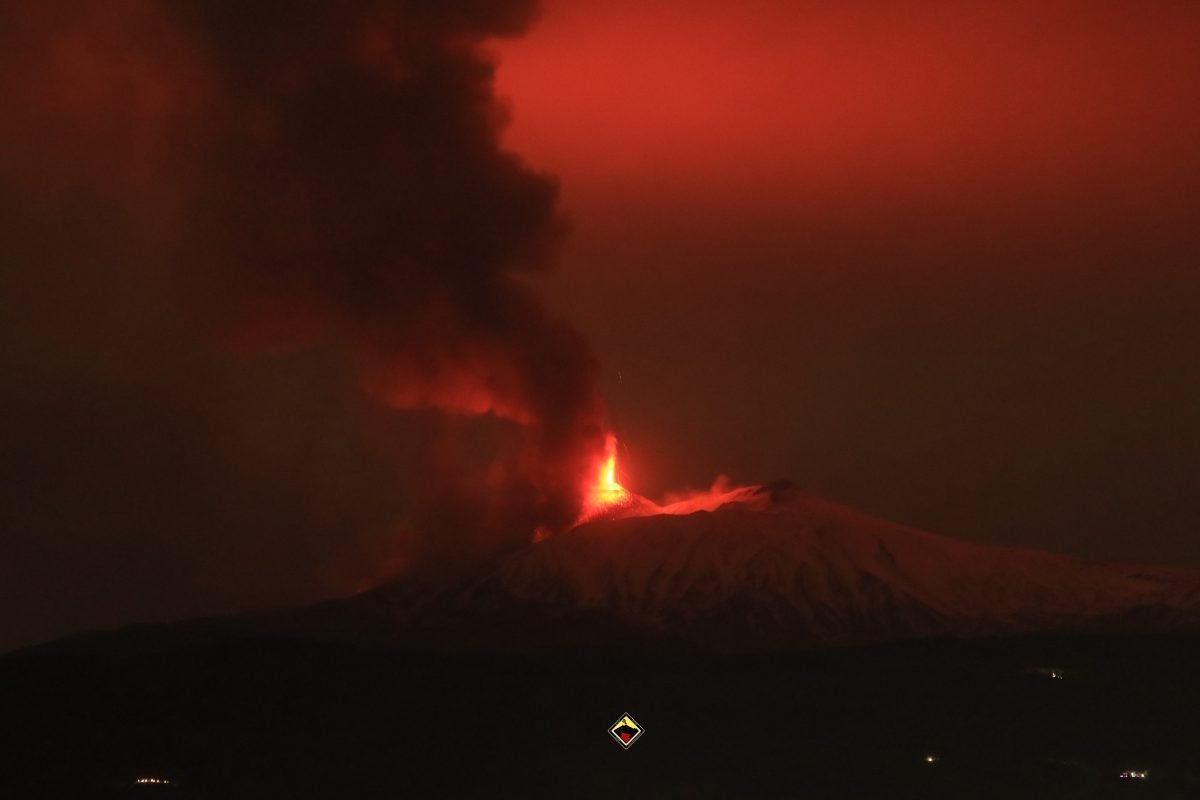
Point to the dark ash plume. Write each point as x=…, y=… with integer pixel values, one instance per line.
x=353, y=181
x=320, y=184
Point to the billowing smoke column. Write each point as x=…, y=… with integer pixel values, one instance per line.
x=357, y=176
x=329, y=170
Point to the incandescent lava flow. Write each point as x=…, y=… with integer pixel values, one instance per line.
x=606, y=495
x=606, y=498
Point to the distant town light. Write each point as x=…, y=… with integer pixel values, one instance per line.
x=161, y=781
x=1135, y=774
x=932, y=758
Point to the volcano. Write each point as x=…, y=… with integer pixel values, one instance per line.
x=715, y=620
x=762, y=568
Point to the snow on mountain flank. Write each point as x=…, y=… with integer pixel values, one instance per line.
x=772, y=568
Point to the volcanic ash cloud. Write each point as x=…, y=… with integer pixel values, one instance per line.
x=318, y=172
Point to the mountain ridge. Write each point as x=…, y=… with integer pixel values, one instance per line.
x=748, y=569
x=776, y=568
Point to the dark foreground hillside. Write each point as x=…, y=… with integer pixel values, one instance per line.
x=266, y=718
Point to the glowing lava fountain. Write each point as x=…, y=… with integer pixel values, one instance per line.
x=606, y=498
x=607, y=491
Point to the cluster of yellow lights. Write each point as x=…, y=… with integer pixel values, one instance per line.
x=153, y=780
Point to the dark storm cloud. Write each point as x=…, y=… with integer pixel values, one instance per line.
x=317, y=186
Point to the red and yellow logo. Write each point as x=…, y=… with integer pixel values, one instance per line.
x=626, y=731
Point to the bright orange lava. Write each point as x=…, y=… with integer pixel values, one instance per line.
x=606, y=498
x=606, y=491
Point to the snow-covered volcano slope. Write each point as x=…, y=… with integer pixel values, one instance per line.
x=780, y=568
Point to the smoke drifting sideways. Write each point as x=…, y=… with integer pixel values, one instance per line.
x=192, y=188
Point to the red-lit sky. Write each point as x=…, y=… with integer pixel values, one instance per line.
x=938, y=260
